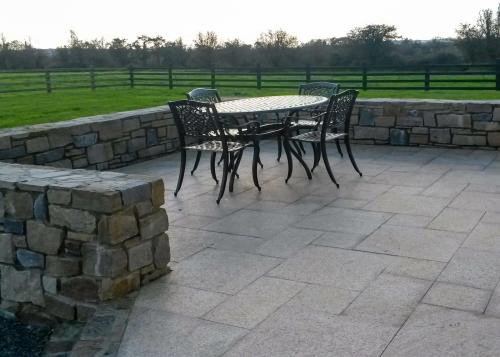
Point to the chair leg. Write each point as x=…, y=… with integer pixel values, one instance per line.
x=327, y=164
x=297, y=148
x=181, y=172
x=339, y=149
x=231, y=161
x=239, y=155
x=302, y=162
x=302, y=149
x=347, y=142
x=260, y=163
x=317, y=155
x=256, y=153
x=220, y=160
x=279, y=148
x=197, y=161
x=225, y=169
x=212, y=167
x=288, y=153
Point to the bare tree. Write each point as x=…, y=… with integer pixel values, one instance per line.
x=276, y=47
x=373, y=43
x=206, y=45
x=481, y=41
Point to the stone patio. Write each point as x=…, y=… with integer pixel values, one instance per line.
x=404, y=261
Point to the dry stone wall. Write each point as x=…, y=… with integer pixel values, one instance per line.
x=110, y=141
x=72, y=238
x=427, y=122
x=99, y=142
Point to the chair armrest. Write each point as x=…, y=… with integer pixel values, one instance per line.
x=248, y=124
x=290, y=118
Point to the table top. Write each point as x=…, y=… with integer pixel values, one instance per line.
x=271, y=104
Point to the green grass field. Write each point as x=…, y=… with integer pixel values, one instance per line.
x=18, y=109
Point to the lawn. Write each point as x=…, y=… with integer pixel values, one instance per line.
x=18, y=109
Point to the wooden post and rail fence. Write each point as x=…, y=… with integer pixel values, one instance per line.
x=427, y=77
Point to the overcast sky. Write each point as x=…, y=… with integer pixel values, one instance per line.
x=47, y=22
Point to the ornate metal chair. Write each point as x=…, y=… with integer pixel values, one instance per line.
x=305, y=118
x=201, y=123
x=205, y=95
x=209, y=95
x=305, y=121
x=331, y=126
x=324, y=89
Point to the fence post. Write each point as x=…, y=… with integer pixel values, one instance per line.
x=365, y=78
x=308, y=73
x=92, y=78
x=170, y=78
x=427, y=80
x=259, y=76
x=131, y=76
x=212, y=78
x=498, y=74
x=48, y=82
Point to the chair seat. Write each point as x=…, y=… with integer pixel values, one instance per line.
x=315, y=136
x=216, y=145
x=304, y=123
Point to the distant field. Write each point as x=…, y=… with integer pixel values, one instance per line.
x=18, y=109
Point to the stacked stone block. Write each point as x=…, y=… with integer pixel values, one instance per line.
x=99, y=142
x=429, y=122
x=72, y=238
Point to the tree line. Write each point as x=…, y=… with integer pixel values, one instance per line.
x=369, y=45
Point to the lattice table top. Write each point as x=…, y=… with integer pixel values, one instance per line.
x=272, y=104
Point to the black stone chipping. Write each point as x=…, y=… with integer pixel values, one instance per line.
x=20, y=340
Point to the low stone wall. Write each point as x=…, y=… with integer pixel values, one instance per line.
x=427, y=122
x=115, y=140
x=71, y=238
x=99, y=142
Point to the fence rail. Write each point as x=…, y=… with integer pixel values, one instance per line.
x=425, y=78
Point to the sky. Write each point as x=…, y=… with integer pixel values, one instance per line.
x=47, y=22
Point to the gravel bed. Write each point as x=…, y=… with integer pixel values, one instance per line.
x=19, y=340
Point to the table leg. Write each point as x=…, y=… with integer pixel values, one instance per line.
x=286, y=144
x=256, y=153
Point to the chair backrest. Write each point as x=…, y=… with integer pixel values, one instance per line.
x=197, y=120
x=205, y=95
x=325, y=89
x=338, y=113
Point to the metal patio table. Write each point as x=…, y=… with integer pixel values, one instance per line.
x=270, y=104
x=287, y=104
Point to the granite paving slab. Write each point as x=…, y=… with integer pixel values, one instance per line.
x=417, y=243
x=437, y=331
x=474, y=268
x=389, y=300
x=221, y=271
x=297, y=331
x=458, y=297
x=341, y=268
x=410, y=204
x=344, y=220
x=160, y=333
x=252, y=223
x=254, y=303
